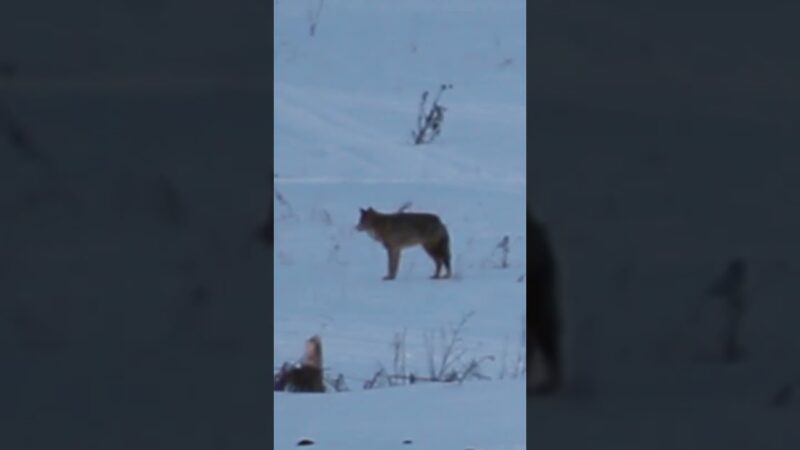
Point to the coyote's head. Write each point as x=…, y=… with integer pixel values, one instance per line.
x=367, y=221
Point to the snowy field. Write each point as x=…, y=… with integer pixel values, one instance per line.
x=346, y=101
x=642, y=229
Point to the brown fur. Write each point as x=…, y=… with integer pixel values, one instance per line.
x=307, y=376
x=401, y=230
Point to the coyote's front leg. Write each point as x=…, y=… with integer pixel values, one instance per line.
x=394, y=262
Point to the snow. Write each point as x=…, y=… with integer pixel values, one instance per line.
x=642, y=228
x=346, y=101
x=471, y=415
x=131, y=320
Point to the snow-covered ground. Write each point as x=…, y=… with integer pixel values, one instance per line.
x=471, y=415
x=642, y=228
x=346, y=101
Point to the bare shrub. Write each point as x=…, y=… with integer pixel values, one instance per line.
x=498, y=258
x=288, y=212
x=338, y=383
x=429, y=122
x=313, y=18
x=519, y=363
x=446, y=360
x=504, y=248
x=445, y=354
x=399, y=350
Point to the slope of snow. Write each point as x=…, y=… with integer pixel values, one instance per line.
x=346, y=102
x=642, y=228
x=389, y=418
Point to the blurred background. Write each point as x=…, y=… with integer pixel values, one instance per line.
x=135, y=143
x=662, y=148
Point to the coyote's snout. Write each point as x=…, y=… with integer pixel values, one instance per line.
x=400, y=230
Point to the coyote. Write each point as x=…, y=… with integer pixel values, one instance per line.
x=544, y=320
x=400, y=230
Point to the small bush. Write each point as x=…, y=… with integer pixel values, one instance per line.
x=429, y=122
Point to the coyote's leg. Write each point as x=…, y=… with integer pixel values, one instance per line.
x=440, y=252
x=394, y=262
x=431, y=251
x=446, y=262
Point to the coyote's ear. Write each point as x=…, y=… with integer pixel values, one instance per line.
x=362, y=210
x=370, y=209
